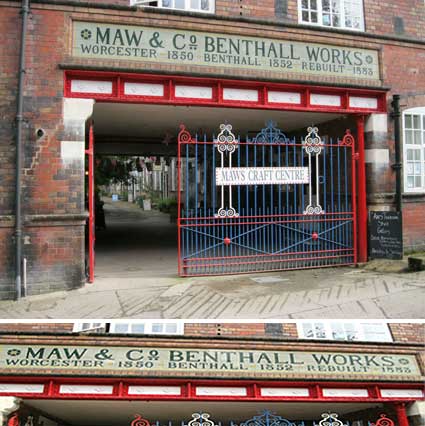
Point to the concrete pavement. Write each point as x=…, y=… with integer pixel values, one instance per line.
x=326, y=293
x=136, y=278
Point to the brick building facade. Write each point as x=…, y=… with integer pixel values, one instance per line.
x=55, y=113
x=33, y=381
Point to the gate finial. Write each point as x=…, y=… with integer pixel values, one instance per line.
x=383, y=421
x=330, y=419
x=184, y=136
x=139, y=421
x=348, y=139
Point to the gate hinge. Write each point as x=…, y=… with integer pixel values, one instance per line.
x=356, y=155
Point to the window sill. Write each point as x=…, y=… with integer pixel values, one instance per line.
x=326, y=27
x=178, y=12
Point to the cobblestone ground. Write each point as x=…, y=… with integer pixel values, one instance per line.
x=136, y=278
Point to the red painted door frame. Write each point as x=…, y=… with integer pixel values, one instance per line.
x=118, y=94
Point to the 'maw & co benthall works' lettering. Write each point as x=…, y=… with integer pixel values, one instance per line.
x=206, y=49
x=136, y=360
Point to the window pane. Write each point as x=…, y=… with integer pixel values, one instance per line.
x=351, y=331
x=304, y=4
x=314, y=17
x=121, y=328
x=308, y=330
x=171, y=328
x=408, y=121
x=410, y=168
x=417, y=137
x=138, y=328
x=305, y=16
x=335, y=21
x=194, y=4
x=418, y=182
x=157, y=327
x=179, y=4
x=376, y=332
x=319, y=331
x=409, y=138
x=205, y=5
x=326, y=6
x=337, y=331
x=326, y=19
x=416, y=122
x=313, y=4
x=410, y=182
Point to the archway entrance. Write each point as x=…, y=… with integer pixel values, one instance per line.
x=203, y=105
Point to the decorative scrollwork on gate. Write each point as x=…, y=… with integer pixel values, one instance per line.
x=348, y=139
x=313, y=146
x=139, y=421
x=201, y=419
x=267, y=418
x=330, y=419
x=184, y=135
x=383, y=421
x=271, y=134
x=226, y=142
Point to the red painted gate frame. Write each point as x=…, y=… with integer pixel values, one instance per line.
x=118, y=94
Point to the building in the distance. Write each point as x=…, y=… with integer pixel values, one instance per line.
x=285, y=187
x=171, y=373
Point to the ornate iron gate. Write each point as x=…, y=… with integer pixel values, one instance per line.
x=264, y=418
x=266, y=203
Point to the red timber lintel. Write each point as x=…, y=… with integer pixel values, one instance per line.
x=42, y=387
x=215, y=92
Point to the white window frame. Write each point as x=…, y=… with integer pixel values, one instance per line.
x=148, y=327
x=319, y=22
x=187, y=6
x=421, y=147
x=87, y=326
x=357, y=325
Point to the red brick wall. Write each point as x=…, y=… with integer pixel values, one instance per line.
x=413, y=225
x=242, y=330
x=380, y=17
x=408, y=333
x=37, y=327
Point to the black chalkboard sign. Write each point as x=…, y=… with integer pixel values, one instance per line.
x=385, y=235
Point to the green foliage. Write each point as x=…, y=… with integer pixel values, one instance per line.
x=167, y=205
x=113, y=170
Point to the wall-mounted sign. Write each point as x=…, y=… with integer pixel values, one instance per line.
x=261, y=175
x=385, y=235
x=181, y=47
x=168, y=362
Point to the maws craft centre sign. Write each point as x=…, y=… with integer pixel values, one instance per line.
x=261, y=175
x=189, y=362
x=181, y=47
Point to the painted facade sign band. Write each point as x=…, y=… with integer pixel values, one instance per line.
x=261, y=175
x=171, y=46
x=148, y=361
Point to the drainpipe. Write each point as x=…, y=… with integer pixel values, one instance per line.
x=19, y=119
x=396, y=114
